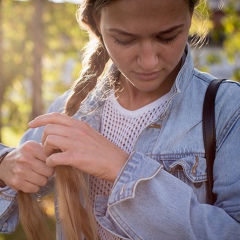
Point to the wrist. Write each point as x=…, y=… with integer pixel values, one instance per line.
x=2, y=183
x=118, y=167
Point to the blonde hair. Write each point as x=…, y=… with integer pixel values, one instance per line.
x=76, y=216
x=199, y=29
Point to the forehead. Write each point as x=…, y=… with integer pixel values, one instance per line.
x=134, y=15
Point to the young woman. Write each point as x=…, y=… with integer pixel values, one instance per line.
x=127, y=148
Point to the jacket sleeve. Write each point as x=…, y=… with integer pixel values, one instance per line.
x=148, y=202
x=8, y=203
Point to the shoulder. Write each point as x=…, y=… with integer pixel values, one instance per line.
x=59, y=104
x=227, y=103
x=228, y=90
x=36, y=133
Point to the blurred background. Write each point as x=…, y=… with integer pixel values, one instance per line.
x=40, y=57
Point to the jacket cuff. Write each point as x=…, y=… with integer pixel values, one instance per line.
x=138, y=168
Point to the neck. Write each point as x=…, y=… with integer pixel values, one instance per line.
x=130, y=97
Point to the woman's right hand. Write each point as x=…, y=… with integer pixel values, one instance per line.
x=25, y=169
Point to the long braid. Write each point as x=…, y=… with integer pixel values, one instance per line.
x=88, y=79
x=77, y=219
x=32, y=218
x=69, y=182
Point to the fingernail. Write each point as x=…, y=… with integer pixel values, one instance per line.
x=30, y=123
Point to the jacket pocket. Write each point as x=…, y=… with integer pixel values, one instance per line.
x=191, y=169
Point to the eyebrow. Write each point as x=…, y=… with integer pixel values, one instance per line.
x=169, y=30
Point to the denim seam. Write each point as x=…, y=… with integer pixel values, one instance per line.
x=186, y=170
x=8, y=198
x=227, y=128
x=173, y=156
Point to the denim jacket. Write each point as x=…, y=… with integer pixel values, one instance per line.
x=161, y=191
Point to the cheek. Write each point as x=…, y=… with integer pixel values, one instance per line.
x=172, y=54
x=109, y=45
x=119, y=56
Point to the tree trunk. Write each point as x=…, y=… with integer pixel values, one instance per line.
x=2, y=88
x=38, y=48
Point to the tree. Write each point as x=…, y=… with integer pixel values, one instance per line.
x=54, y=29
x=1, y=70
x=59, y=43
x=37, y=33
x=225, y=38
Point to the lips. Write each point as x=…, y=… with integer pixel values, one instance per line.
x=148, y=76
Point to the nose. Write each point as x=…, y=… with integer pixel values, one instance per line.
x=147, y=57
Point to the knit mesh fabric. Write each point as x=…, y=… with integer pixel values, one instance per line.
x=122, y=127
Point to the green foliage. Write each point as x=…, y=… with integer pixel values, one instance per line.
x=231, y=26
x=236, y=74
x=213, y=59
x=63, y=41
x=201, y=23
x=18, y=235
x=224, y=34
x=10, y=137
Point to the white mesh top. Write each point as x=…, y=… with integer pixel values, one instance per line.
x=122, y=127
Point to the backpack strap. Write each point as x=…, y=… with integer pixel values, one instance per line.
x=209, y=132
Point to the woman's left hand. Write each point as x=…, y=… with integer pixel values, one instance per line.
x=80, y=146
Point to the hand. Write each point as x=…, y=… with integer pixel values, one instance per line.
x=25, y=168
x=81, y=146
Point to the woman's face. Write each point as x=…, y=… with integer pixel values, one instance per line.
x=146, y=41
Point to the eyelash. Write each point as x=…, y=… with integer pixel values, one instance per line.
x=164, y=41
x=121, y=43
x=167, y=40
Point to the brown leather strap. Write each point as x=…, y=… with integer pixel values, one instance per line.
x=209, y=133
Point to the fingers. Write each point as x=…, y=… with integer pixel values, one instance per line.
x=52, y=145
x=32, y=155
x=25, y=168
x=42, y=169
x=52, y=129
x=32, y=148
x=81, y=146
x=59, y=125
x=51, y=118
x=58, y=159
x=26, y=187
x=55, y=144
x=30, y=183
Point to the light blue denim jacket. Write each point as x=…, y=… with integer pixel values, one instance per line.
x=161, y=191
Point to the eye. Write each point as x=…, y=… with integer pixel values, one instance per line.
x=166, y=40
x=123, y=42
